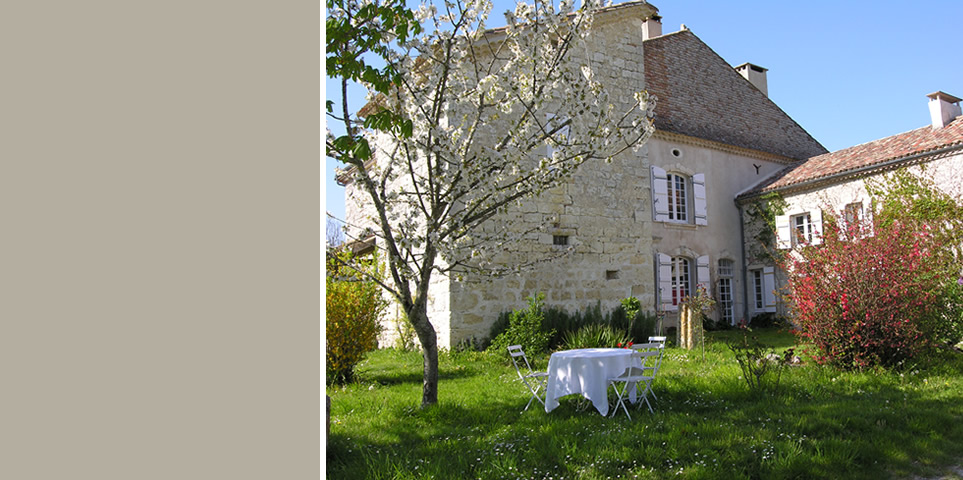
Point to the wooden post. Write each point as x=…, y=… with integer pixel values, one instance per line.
x=685, y=327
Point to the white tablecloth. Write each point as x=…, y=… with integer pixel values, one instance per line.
x=586, y=371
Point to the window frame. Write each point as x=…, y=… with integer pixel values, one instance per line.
x=679, y=198
x=763, y=281
x=758, y=299
x=724, y=290
x=681, y=278
x=677, y=194
x=801, y=228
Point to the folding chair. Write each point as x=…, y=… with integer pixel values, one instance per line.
x=657, y=339
x=535, y=381
x=632, y=377
x=653, y=369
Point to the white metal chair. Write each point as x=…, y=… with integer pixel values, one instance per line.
x=631, y=378
x=653, y=369
x=535, y=381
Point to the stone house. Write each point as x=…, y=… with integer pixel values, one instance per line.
x=837, y=180
x=658, y=223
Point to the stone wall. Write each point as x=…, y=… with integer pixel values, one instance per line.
x=603, y=210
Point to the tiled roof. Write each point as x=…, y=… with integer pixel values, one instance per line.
x=700, y=95
x=876, y=153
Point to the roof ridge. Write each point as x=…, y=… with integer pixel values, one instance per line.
x=871, y=141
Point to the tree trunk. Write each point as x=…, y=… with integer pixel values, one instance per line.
x=429, y=351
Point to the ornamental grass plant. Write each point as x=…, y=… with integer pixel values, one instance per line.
x=822, y=422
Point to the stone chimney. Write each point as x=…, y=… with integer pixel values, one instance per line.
x=652, y=27
x=756, y=76
x=943, y=108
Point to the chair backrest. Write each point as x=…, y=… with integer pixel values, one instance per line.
x=644, y=356
x=646, y=346
x=516, y=352
x=657, y=348
x=657, y=339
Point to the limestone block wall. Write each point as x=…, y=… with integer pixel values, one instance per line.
x=603, y=210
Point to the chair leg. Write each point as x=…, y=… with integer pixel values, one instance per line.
x=645, y=397
x=619, y=401
x=535, y=396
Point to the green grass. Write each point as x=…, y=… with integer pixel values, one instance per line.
x=821, y=424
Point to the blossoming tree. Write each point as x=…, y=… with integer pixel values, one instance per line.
x=470, y=122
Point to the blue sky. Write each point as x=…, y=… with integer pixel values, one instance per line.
x=848, y=72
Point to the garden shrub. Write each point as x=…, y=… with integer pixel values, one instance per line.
x=761, y=366
x=560, y=322
x=525, y=329
x=880, y=291
x=352, y=310
x=631, y=306
x=596, y=336
x=766, y=320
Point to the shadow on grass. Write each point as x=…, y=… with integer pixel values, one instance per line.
x=773, y=337
x=820, y=424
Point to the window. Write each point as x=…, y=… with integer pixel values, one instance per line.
x=802, y=229
x=799, y=229
x=725, y=291
x=680, y=279
x=757, y=289
x=677, y=198
x=763, y=289
x=559, y=240
x=675, y=278
x=853, y=213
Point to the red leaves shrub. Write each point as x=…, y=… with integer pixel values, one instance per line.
x=874, y=294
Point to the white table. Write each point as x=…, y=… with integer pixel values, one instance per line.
x=586, y=371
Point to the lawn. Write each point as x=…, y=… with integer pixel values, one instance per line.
x=820, y=424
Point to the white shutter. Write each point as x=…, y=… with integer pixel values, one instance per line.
x=816, y=224
x=783, y=232
x=664, y=281
x=702, y=273
x=660, y=195
x=699, y=195
x=769, y=289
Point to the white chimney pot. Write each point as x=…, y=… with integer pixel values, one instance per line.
x=652, y=27
x=943, y=108
x=756, y=76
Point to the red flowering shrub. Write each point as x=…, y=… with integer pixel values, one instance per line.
x=875, y=293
